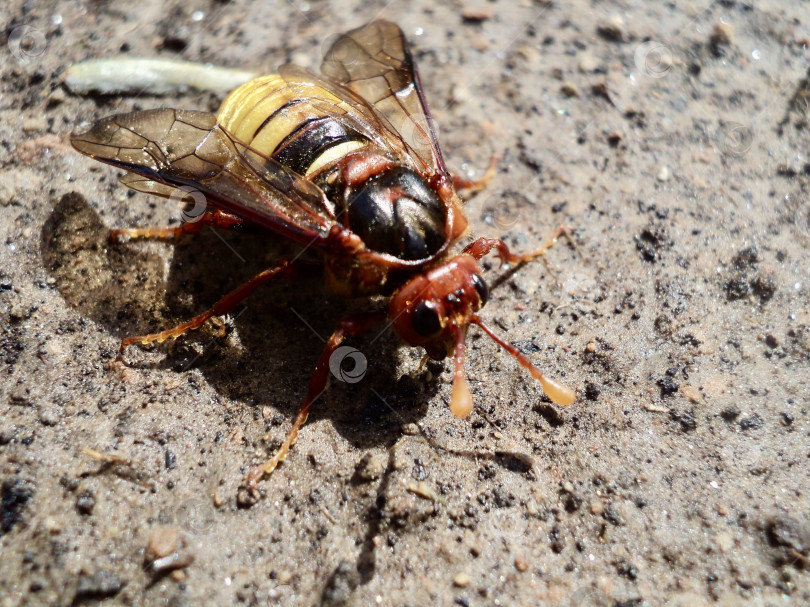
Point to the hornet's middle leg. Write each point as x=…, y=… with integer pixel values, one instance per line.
x=348, y=326
x=479, y=248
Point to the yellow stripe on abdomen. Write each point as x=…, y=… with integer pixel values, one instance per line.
x=262, y=113
x=334, y=153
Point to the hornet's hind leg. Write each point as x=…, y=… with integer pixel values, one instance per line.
x=347, y=327
x=285, y=269
x=215, y=219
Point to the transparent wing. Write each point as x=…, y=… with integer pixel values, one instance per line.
x=168, y=149
x=342, y=104
x=375, y=62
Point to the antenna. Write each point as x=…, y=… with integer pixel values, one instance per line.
x=559, y=394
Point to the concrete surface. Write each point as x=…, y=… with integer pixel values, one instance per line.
x=673, y=137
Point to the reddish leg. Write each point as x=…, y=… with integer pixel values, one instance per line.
x=482, y=246
x=475, y=185
x=283, y=268
x=348, y=326
x=215, y=219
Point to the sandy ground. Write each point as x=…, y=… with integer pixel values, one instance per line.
x=673, y=137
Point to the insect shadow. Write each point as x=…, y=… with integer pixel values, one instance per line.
x=116, y=288
x=274, y=338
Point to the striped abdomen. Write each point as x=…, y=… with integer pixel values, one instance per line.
x=301, y=133
x=308, y=130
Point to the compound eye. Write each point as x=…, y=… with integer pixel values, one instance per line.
x=481, y=288
x=426, y=320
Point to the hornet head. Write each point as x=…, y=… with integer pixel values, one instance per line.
x=434, y=309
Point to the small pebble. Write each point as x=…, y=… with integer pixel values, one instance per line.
x=34, y=124
x=521, y=564
x=422, y=489
x=410, y=429
x=162, y=542
x=752, y=422
x=612, y=28
x=245, y=498
x=587, y=63
x=479, y=43
x=691, y=393
x=462, y=580
x=721, y=38
x=100, y=584
x=471, y=15
x=56, y=97
x=663, y=174
x=731, y=413
x=19, y=311
x=85, y=502
x=284, y=576
x=48, y=415
x=529, y=54
x=460, y=93
x=724, y=541
x=370, y=467
x=569, y=89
